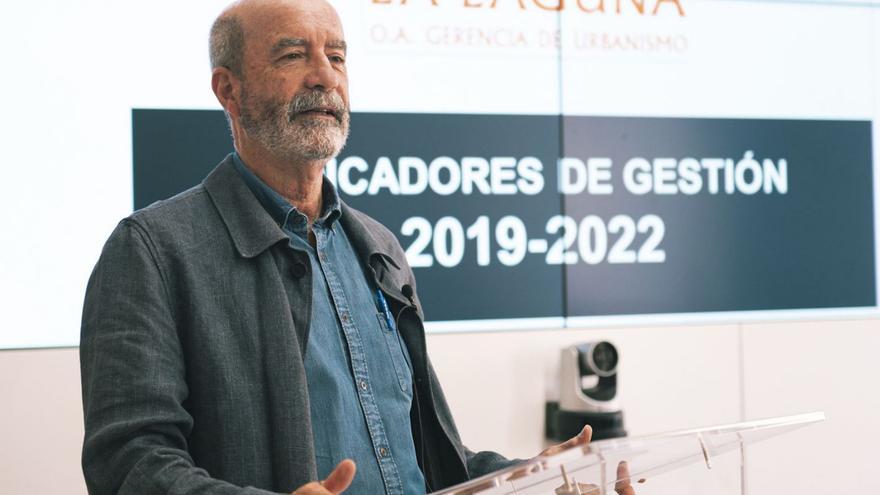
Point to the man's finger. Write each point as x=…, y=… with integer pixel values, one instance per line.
x=586, y=434
x=582, y=438
x=623, y=485
x=341, y=477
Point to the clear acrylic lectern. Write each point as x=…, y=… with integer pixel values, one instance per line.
x=596, y=468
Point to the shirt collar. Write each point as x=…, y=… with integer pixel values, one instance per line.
x=280, y=209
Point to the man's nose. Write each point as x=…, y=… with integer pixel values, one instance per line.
x=321, y=74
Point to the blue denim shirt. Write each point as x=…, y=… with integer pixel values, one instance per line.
x=358, y=372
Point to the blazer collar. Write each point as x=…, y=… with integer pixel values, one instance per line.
x=380, y=251
x=252, y=229
x=367, y=235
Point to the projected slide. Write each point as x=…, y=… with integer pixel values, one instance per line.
x=543, y=163
x=638, y=215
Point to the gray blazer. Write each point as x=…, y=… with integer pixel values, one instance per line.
x=195, y=322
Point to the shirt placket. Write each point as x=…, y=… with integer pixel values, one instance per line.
x=359, y=368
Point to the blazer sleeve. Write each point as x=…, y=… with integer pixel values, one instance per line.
x=476, y=463
x=485, y=462
x=133, y=379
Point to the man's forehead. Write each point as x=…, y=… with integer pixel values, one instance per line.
x=243, y=7
x=270, y=22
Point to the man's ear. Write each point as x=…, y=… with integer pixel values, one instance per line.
x=227, y=89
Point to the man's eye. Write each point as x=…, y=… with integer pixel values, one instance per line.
x=292, y=56
x=338, y=59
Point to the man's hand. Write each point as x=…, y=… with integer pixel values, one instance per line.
x=582, y=438
x=337, y=482
x=623, y=485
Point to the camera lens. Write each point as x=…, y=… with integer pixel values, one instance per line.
x=604, y=358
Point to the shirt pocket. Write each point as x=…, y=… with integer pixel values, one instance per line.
x=397, y=353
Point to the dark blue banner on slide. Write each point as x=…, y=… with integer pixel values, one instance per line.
x=514, y=216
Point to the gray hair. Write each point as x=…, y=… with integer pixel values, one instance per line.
x=226, y=44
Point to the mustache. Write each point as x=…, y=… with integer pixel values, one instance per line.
x=317, y=100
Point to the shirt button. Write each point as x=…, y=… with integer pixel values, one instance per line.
x=298, y=270
x=363, y=385
x=383, y=452
x=345, y=318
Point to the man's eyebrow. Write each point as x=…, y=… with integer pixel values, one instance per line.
x=288, y=43
x=338, y=44
x=284, y=43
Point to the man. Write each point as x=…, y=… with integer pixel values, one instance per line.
x=254, y=333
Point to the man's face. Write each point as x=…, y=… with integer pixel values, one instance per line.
x=294, y=99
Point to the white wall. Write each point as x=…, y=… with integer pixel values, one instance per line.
x=40, y=422
x=496, y=383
